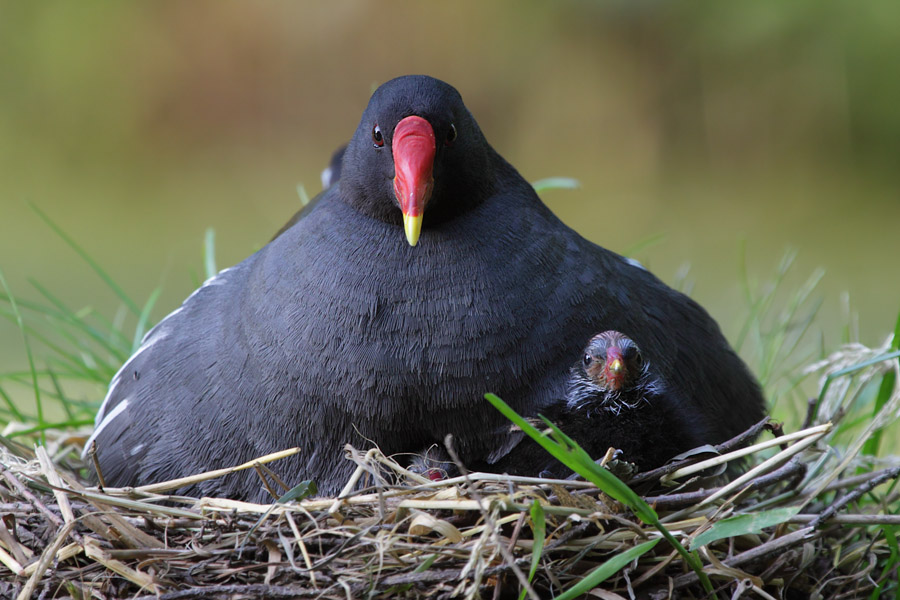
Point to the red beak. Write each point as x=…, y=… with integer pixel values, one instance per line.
x=413, y=148
x=615, y=369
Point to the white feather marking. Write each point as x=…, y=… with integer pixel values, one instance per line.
x=216, y=279
x=118, y=410
x=326, y=177
x=635, y=263
x=158, y=334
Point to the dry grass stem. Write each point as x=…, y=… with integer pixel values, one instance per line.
x=811, y=516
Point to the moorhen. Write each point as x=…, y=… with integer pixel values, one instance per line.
x=428, y=274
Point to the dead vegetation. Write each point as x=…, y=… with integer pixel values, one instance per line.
x=813, y=516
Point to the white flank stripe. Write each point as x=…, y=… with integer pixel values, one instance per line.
x=118, y=376
x=156, y=327
x=120, y=407
x=216, y=279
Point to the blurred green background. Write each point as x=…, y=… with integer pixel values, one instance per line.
x=135, y=126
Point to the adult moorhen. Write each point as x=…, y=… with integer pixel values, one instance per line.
x=429, y=274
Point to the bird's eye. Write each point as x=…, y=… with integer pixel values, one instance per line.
x=451, y=135
x=632, y=354
x=588, y=359
x=377, y=138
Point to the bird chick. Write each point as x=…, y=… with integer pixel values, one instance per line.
x=613, y=401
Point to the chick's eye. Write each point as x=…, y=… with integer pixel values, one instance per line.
x=632, y=354
x=377, y=138
x=451, y=135
x=588, y=359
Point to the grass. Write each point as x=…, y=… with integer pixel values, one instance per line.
x=836, y=492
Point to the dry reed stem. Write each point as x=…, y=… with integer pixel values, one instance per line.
x=471, y=536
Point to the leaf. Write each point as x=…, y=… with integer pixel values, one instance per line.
x=539, y=531
x=573, y=456
x=300, y=491
x=426, y=564
x=744, y=524
x=607, y=570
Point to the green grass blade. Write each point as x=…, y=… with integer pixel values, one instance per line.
x=72, y=361
x=607, y=570
x=895, y=344
x=60, y=394
x=571, y=455
x=301, y=192
x=302, y=490
x=884, y=394
x=644, y=244
x=90, y=261
x=565, y=450
x=555, y=183
x=849, y=370
x=209, y=252
x=890, y=536
x=34, y=377
x=539, y=532
x=426, y=564
x=885, y=390
x=740, y=525
x=68, y=316
x=144, y=318
x=113, y=340
x=873, y=444
x=13, y=409
x=48, y=426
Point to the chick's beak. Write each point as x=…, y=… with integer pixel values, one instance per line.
x=413, y=151
x=615, y=369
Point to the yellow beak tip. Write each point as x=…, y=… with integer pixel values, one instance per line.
x=413, y=227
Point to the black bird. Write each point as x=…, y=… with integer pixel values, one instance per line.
x=614, y=400
x=343, y=329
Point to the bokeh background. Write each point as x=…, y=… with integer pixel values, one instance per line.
x=715, y=130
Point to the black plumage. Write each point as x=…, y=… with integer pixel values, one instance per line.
x=614, y=400
x=340, y=330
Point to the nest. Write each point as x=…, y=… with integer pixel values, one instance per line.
x=810, y=516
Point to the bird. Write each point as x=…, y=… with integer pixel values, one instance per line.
x=615, y=400
x=428, y=274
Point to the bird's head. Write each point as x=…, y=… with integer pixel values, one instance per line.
x=418, y=156
x=612, y=361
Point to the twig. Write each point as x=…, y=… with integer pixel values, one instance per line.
x=47, y=557
x=786, y=472
x=492, y=527
x=812, y=405
x=10, y=477
x=774, y=545
x=855, y=494
x=736, y=442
